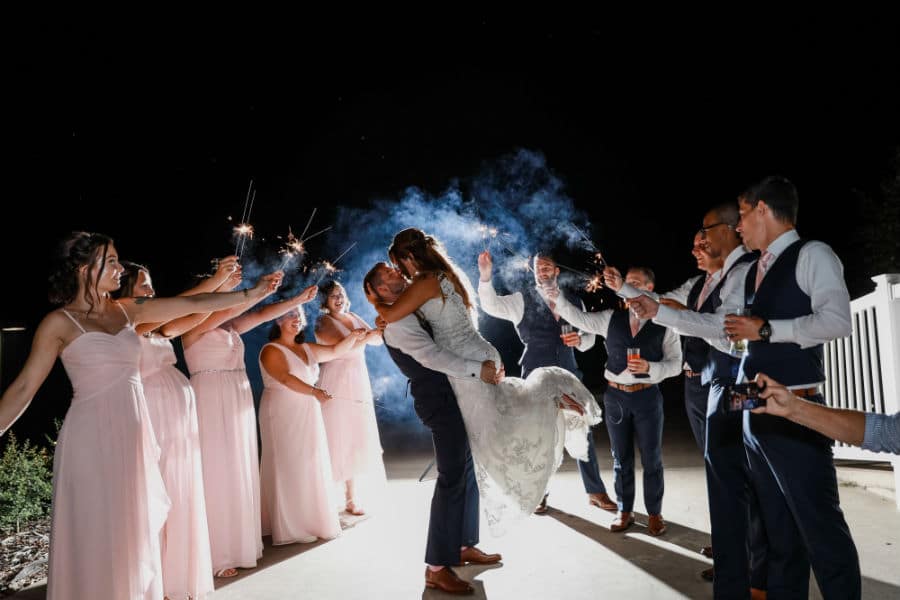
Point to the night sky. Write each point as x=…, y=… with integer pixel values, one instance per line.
x=152, y=137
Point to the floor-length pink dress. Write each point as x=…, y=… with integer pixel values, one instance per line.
x=227, y=420
x=297, y=486
x=186, y=559
x=353, y=440
x=109, y=501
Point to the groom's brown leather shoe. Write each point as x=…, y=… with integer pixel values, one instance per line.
x=447, y=581
x=474, y=556
x=602, y=501
x=623, y=521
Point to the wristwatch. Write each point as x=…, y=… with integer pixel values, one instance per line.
x=765, y=331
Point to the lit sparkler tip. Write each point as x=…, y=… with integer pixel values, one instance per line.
x=493, y=231
x=594, y=284
x=244, y=229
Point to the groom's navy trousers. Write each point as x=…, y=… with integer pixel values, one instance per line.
x=454, y=505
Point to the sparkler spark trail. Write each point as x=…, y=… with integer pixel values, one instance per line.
x=245, y=229
x=329, y=267
x=304, y=240
x=309, y=222
x=594, y=284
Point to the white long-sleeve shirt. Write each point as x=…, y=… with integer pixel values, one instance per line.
x=512, y=308
x=710, y=326
x=679, y=294
x=820, y=275
x=598, y=323
x=408, y=336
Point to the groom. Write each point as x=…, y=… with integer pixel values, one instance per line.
x=453, y=525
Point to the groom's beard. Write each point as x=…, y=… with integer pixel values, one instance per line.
x=397, y=288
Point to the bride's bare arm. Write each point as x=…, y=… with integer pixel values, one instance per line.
x=421, y=291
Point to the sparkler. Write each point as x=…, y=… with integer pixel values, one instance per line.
x=293, y=247
x=244, y=229
x=329, y=267
x=321, y=231
x=488, y=234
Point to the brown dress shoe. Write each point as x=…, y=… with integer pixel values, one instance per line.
x=542, y=507
x=623, y=521
x=757, y=594
x=656, y=525
x=708, y=574
x=474, y=556
x=602, y=501
x=706, y=551
x=447, y=581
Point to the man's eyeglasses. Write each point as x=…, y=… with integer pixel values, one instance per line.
x=703, y=230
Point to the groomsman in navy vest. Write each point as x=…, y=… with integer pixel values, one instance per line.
x=633, y=402
x=798, y=302
x=739, y=538
x=540, y=328
x=693, y=294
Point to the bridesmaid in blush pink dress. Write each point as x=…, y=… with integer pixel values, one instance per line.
x=186, y=559
x=109, y=501
x=353, y=440
x=297, y=484
x=214, y=353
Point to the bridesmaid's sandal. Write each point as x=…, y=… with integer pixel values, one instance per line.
x=353, y=509
x=227, y=573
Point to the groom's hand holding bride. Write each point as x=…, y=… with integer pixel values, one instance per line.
x=491, y=374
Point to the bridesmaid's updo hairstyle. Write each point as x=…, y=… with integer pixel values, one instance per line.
x=325, y=290
x=275, y=329
x=77, y=250
x=428, y=254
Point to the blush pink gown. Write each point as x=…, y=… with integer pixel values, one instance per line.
x=297, y=486
x=353, y=440
x=186, y=560
x=227, y=420
x=109, y=501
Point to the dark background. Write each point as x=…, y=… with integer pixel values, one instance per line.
x=151, y=134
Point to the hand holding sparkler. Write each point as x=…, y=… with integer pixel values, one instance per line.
x=485, y=265
x=266, y=286
x=307, y=294
x=225, y=268
x=613, y=278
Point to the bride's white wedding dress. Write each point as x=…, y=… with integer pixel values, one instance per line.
x=516, y=430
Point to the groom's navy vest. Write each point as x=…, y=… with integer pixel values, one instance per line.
x=618, y=339
x=779, y=297
x=540, y=332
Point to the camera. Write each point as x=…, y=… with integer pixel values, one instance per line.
x=743, y=396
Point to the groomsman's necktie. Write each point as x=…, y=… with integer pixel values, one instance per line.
x=762, y=266
x=705, y=291
x=635, y=324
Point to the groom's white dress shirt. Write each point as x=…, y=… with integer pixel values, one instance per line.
x=408, y=336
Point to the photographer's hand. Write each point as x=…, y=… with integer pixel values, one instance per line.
x=779, y=400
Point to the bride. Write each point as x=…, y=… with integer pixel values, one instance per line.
x=516, y=428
